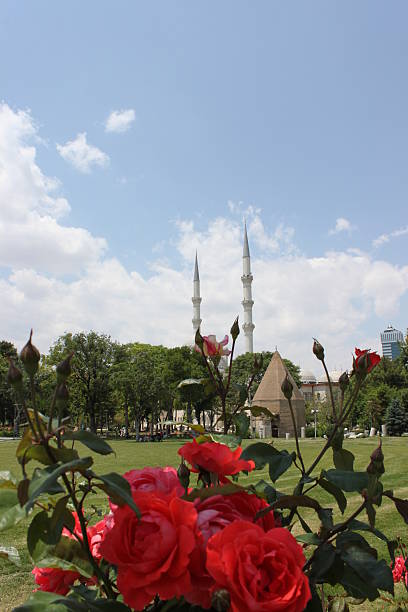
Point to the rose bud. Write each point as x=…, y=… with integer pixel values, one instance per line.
x=287, y=388
x=183, y=474
x=30, y=356
x=344, y=381
x=376, y=465
x=235, y=329
x=63, y=369
x=318, y=350
x=199, y=340
x=14, y=376
x=221, y=600
x=62, y=397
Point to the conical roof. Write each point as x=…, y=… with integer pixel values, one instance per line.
x=269, y=389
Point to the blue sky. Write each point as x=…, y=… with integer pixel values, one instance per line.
x=296, y=109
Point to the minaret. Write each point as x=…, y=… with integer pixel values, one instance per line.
x=196, y=299
x=247, y=302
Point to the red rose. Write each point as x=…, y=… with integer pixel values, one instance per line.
x=54, y=579
x=365, y=359
x=262, y=571
x=215, y=457
x=59, y=581
x=153, y=553
x=155, y=480
x=214, y=514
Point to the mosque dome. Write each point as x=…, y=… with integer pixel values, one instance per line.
x=307, y=376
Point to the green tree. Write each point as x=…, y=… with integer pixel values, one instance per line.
x=396, y=418
x=90, y=388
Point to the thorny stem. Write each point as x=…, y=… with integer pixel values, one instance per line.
x=53, y=401
x=333, y=532
x=331, y=391
x=36, y=415
x=346, y=411
x=292, y=414
x=85, y=543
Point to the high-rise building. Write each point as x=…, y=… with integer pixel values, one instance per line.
x=390, y=341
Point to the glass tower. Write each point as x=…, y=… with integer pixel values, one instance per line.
x=390, y=341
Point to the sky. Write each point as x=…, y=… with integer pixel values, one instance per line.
x=134, y=133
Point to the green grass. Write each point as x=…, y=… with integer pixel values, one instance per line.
x=16, y=583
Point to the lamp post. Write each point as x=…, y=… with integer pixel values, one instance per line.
x=315, y=411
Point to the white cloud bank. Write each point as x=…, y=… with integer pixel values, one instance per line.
x=120, y=121
x=296, y=297
x=82, y=155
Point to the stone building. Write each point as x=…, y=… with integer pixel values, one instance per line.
x=269, y=395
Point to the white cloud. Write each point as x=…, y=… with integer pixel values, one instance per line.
x=384, y=238
x=82, y=155
x=343, y=298
x=120, y=121
x=342, y=225
x=31, y=235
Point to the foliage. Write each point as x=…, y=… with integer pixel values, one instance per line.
x=396, y=418
x=87, y=566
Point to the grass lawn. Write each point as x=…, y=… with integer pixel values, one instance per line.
x=16, y=583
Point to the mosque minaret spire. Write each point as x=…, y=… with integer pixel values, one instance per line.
x=247, y=302
x=196, y=299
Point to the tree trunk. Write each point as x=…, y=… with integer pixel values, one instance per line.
x=126, y=420
x=92, y=420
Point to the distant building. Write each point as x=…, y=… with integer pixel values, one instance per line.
x=314, y=389
x=269, y=395
x=391, y=339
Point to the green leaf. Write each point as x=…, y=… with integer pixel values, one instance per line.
x=241, y=422
x=324, y=558
x=262, y=454
x=42, y=600
x=10, y=553
x=347, y=481
x=227, y=439
x=7, y=480
x=47, y=478
x=309, y=538
x=89, y=439
x=8, y=498
x=356, y=525
x=198, y=428
x=257, y=411
x=303, y=501
x=400, y=504
x=337, y=493
x=68, y=554
x=343, y=459
x=355, y=586
x=360, y=557
x=11, y=516
x=118, y=490
x=39, y=453
x=24, y=444
x=205, y=493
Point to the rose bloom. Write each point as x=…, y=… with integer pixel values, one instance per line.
x=214, y=514
x=262, y=571
x=152, y=554
x=218, y=511
x=372, y=358
x=399, y=571
x=59, y=581
x=155, y=480
x=54, y=579
x=215, y=457
x=212, y=348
